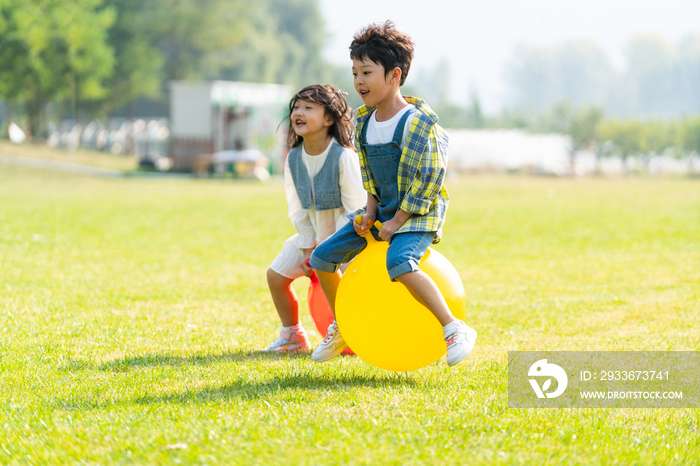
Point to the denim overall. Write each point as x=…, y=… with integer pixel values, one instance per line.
x=405, y=249
x=383, y=161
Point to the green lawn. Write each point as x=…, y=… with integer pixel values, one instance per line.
x=132, y=312
x=80, y=156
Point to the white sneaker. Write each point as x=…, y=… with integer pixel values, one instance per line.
x=289, y=342
x=331, y=346
x=460, y=343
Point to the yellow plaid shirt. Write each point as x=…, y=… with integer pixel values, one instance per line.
x=421, y=169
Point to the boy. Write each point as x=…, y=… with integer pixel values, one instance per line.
x=403, y=157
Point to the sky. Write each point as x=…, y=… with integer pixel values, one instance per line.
x=478, y=37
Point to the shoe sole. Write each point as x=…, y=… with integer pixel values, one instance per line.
x=328, y=356
x=298, y=350
x=304, y=349
x=471, y=338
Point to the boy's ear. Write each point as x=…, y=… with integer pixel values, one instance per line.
x=395, y=76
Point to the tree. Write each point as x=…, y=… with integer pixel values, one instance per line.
x=577, y=72
x=53, y=50
x=625, y=137
x=692, y=135
x=283, y=43
x=687, y=75
x=660, y=79
x=13, y=49
x=138, y=69
x=433, y=84
x=556, y=119
x=193, y=35
x=475, y=117
x=654, y=140
x=583, y=131
x=648, y=79
x=94, y=56
x=580, y=124
x=691, y=138
x=302, y=31
x=434, y=87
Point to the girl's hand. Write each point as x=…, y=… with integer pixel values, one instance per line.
x=362, y=228
x=305, y=266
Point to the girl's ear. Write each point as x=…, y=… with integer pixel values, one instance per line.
x=328, y=121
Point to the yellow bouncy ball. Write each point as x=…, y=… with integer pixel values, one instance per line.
x=380, y=319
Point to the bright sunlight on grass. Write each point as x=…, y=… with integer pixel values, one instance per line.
x=132, y=312
x=80, y=156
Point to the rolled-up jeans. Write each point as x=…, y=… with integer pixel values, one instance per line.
x=403, y=256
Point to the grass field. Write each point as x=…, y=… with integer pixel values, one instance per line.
x=132, y=312
x=80, y=156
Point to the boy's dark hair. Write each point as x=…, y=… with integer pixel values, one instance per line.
x=384, y=45
x=333, y=101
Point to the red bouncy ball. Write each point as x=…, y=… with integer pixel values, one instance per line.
x=321, y=312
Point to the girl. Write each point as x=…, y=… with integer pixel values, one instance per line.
x=323, y=184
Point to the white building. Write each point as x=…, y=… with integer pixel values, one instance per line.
x=214, y=116
x=503, y=150
x=548, y=154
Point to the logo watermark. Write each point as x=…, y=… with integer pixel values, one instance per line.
x=604, y=379
x=542, y=368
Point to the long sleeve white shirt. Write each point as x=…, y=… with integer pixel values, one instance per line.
x=314, y=226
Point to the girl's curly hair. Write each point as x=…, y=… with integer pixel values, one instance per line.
x=333, y=101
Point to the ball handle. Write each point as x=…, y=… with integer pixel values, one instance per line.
x=313, y=272
x=377, y=224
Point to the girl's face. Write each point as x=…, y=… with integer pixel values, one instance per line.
x=309, y=119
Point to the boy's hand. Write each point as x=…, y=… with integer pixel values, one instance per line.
x=305, y=266
x=362, y=228
x=389, y=227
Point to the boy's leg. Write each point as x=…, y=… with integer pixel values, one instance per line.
x=403, y=258
x=340, y=248
x=337, y=249
x=329, y=283
x=424, y=289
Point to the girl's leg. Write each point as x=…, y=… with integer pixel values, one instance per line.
x=284, y=297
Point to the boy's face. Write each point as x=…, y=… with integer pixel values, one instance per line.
x=372, y=83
